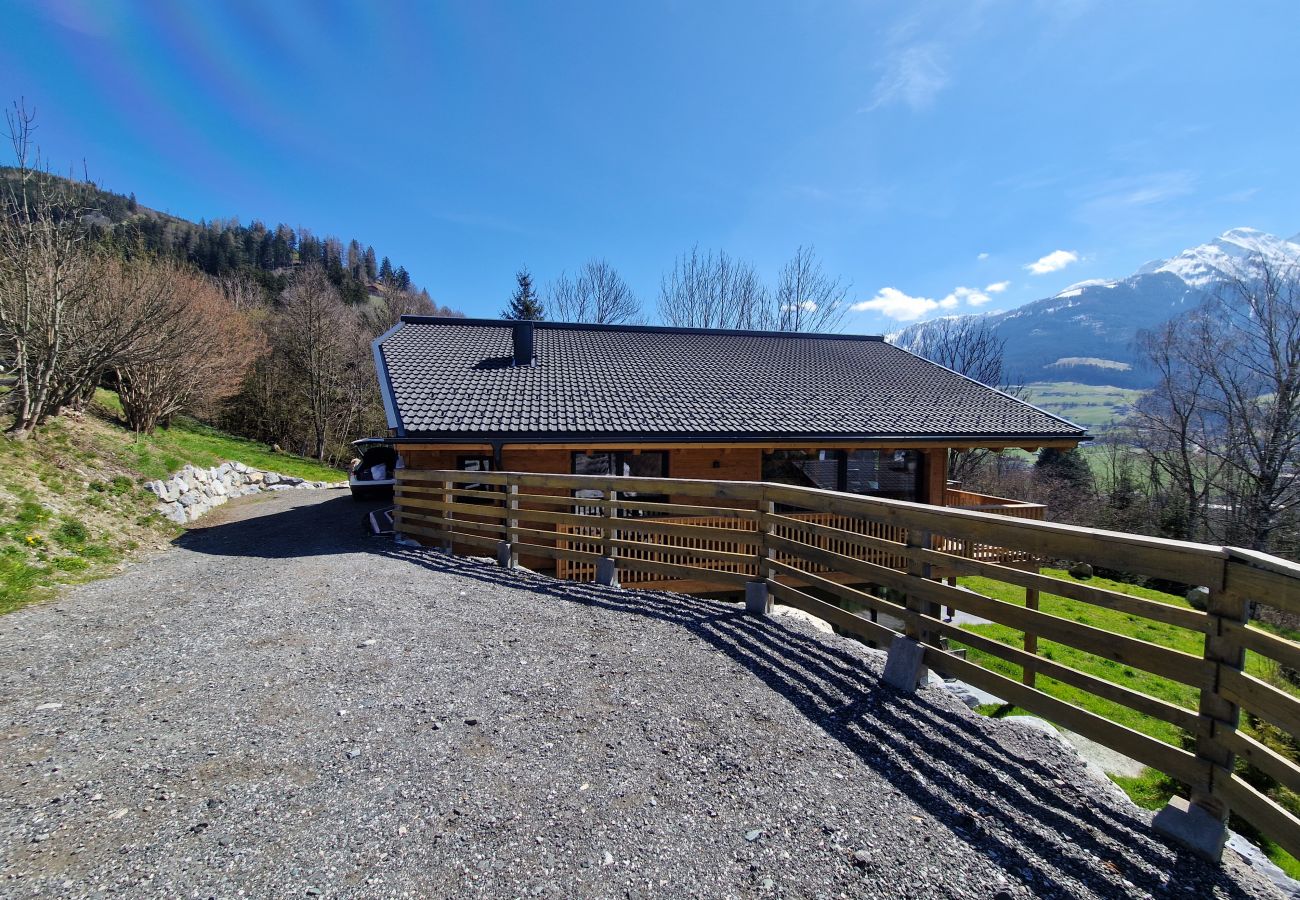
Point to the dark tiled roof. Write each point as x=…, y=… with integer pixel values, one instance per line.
x=454, y=378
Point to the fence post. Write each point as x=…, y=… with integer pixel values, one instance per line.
x=1201, y=823
x=758, y=599
x=507, y=555
x=607, y=565
x=1030, y=675
x=447, y=516
x=905, y=666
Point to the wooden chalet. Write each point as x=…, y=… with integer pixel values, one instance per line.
x=846, y=413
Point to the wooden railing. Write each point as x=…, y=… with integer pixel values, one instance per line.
x=1002, y=506
x=824, y=552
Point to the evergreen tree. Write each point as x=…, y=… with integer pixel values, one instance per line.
x=1065, y=466
x=402, y=279
x=356, y=264
x=524, y=304
x=386, y=271
x=371, y=267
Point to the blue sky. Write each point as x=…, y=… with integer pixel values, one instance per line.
x=927, y=150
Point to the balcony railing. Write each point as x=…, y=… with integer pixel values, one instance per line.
x=957, y=498
x=804, y=546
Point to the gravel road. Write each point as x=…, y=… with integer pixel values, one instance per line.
x=282, y=707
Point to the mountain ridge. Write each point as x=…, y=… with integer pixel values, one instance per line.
x=1086, y=332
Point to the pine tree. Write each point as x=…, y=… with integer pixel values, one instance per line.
x=525, y=304
x=386, y=271
x=371, y=270
x=356, y=263
x=402, y=278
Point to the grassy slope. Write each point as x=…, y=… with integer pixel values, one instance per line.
x=1097, y=407
x=1152, y=789
x=72, y=503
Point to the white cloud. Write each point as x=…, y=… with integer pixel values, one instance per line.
x=997, y=287
x=913, y=75
x=982, y=256
x=970, y=295
x=896, y=305
x=805, y=305
x=1053, y=262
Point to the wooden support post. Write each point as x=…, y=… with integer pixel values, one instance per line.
x=607, y=565
x=917, y=605
x=512, y=524
x=447, y=516
x=1202, y=822
x=1030, y=676
x=758, y=598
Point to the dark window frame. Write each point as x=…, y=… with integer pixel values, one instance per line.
x=618, y=464
x=486, y=466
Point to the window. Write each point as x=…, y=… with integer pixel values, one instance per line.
x=877, y=473
x=475, y=464
x=626, y=464
x=804, y=468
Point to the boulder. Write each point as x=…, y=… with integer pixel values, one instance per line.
x=175, y=512
x=190, y=499
x=271, y=478
x=255, y=477
x=218, y=488
x=290, y=479
x=1081, y=570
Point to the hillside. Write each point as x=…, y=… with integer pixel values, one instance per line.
x=221, y=248
x=1086, y=332
x=72, y=505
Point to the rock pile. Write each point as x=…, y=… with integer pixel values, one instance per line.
x=193, y=491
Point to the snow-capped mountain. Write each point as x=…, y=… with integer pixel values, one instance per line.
x=1086, y=332
x=1233, y=255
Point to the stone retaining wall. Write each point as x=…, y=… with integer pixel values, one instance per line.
x=193, y=491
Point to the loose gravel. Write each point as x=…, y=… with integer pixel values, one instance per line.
x=281, y=707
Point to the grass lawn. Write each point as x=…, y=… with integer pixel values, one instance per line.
x=1152, y=789
x=1097, y=407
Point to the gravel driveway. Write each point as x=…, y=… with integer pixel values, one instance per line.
x=283, y=707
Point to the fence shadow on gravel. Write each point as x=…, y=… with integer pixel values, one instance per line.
x=945, y=763
x=315, y=527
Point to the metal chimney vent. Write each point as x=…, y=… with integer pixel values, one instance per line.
x=522, y=336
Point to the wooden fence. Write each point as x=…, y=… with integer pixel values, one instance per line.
x=822, y=552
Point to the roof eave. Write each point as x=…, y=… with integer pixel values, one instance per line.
x=385, y=383
x=481, y=437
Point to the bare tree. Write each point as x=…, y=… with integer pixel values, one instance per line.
x=379, y=317
x=713, y=291
x=1173, y=428
x=1248, y=344
x=243, y=293
x=45, y=274
x=598, y=295
x=1223, y=423
x=195, y=353
x=807, y=299
x=322, y=344
x=971, y=346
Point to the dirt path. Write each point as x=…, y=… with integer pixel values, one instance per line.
x=283, y=707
